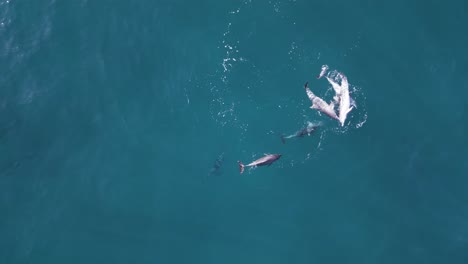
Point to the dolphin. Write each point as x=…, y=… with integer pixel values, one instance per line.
x=323, y=71
x=319, y=104
x=268, y=159
x=308, y=130
x=345, y=101
x=217, y=165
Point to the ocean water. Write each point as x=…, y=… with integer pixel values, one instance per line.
x=113, y=115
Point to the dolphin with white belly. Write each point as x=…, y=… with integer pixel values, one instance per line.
x=345, y=101
x=319, y=104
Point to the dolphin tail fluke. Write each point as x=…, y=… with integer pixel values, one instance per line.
x=283, y=139
x=241, y=167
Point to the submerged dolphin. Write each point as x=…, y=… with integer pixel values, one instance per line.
x=319, y=104
x=217, y=165
x=268, y=159
x=308, y=130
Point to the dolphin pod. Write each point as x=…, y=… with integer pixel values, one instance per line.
x=342, y=99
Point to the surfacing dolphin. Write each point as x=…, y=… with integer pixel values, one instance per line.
x=268, y=159
x=345, y=101
x=319, y=104
x=308, y=130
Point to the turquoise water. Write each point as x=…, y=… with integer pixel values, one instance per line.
x=113, y=114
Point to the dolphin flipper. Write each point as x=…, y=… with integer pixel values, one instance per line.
x=353, y=103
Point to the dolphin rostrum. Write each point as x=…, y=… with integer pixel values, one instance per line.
x=323, y=71
x=308, y=130
x=319, y=104
x=268, y=159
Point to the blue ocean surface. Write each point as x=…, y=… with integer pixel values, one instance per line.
x=122, y=124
